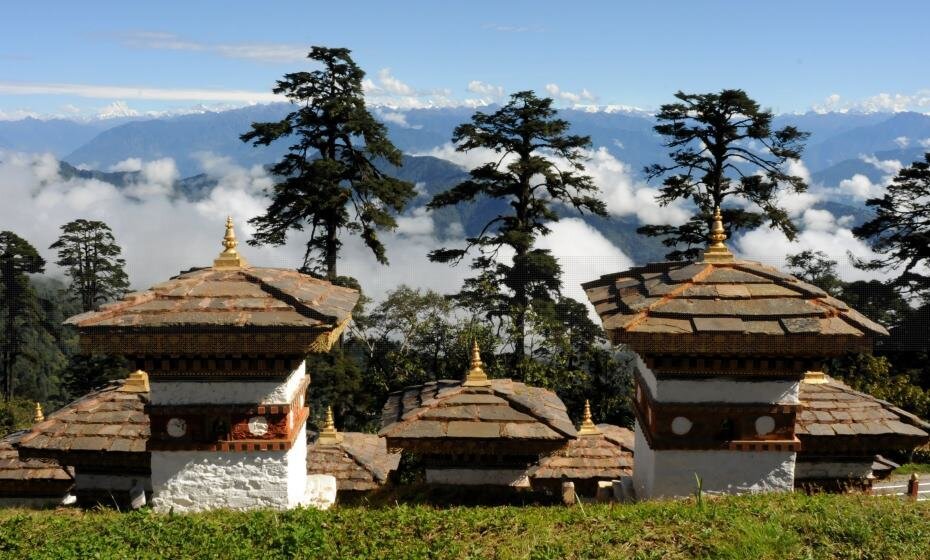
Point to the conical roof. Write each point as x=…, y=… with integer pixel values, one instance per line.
x=686, y=307
x=358, y=461
x=501, y=414
x=229, y=298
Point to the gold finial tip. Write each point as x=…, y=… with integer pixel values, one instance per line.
x=230, y=257
x=39, y=415
x=328, y=433
x=137, y=382
x=476, y=377
x=716, y=250
x=588, y=428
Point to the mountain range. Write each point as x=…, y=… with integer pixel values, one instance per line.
x=837, y=149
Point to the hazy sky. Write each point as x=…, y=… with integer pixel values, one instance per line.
x=80, y=57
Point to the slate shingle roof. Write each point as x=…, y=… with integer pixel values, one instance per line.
x=208, y=297
x=506, y=410
x=701, y=299
x=107, y=420
x=29, y=477
x=359, y=462
x=586, y=457
x=834, y=417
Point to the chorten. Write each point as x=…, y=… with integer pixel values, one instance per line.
x=722, y=347
x=224, y=350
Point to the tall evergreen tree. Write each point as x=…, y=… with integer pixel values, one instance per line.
x=17, y=259
x=537, y=166
x=90, y=256
x=900, y=230
x=329, y=181
x=722, y=144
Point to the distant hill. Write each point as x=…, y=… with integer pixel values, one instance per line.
x=57, y=136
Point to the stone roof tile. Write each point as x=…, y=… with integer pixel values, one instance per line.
x=106, y=420
x=359, y=462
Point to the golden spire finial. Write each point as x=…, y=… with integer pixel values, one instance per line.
x=229, y=257
x=137, y=382
x=716, y=250
x=39, y=415
x=587, y=425
x=328, y=434
x=476, y=377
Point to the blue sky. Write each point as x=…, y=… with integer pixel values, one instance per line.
x=80, y=57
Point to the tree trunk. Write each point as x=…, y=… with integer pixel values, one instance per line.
x=331, y=252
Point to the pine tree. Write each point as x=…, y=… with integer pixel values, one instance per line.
x=90, y=256
x=329, y=181
x=722, y=144
x=537, y=167
x=900, y=230
x=17, y=259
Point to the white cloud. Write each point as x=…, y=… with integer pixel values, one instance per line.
x=881, y=102
x=417, y=222
x=860, y=187
x=489, y=90
x=584, y=95
x=136, y=92
x=924, y=143
x=392, y=85
x=822, y=233
x=902, y=141
x=259, y=52
x=889, y=166
x=127, y=165
x=396, y=117
x=583, y=253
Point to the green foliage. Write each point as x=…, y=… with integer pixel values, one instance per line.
x=722, y=144
x=329, y=183
x=760, y=527
x=84, y=373
x=18, y=259
x=900, y=230
x=416, y=336
x=537, y=165
x=90, y=256
x=15, y=414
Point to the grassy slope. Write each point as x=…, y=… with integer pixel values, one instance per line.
x=786, y=526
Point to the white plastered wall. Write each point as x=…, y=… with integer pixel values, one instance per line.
x=671, y=473
x=718, y=390
x=165, y=392
x=186, y=481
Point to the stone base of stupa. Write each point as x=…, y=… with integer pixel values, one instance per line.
x=189, y=481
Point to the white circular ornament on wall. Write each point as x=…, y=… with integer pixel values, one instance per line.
x=258, y=426
x=681, y=425
x=177, y=427
x=765, y=425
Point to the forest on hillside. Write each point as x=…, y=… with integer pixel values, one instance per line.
x=723, y=152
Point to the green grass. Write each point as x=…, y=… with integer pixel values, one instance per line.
x=909, y=468
x=757, y=527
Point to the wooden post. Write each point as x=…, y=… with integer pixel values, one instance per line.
x=913, y=486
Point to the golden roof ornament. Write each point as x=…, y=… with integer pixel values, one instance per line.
x=717, y=251
x=137, y=382
x=815, y=378
x=39, y=415
x=587, y=425
x=229, y=258
x=328, y=434
x=476, y=377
